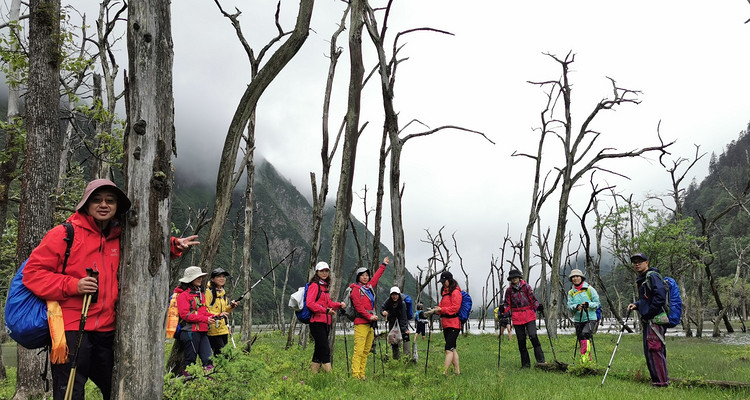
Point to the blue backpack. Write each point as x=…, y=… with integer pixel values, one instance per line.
x=26, y=314
x=673, y=304
x=409, y=309
x=465, y=310
x=305, y=314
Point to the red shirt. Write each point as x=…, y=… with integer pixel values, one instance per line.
x=450, y=303
x=318, y=307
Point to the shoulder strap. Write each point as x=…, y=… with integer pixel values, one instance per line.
x=317, y=297
x=70, y=234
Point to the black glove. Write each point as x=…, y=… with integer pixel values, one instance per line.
x=540, y=308
x=586, y=305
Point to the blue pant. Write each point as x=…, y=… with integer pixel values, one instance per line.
x=196, y=344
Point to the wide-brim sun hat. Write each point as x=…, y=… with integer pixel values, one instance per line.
x=191, y=274
x=123, y=203
x=577, y=272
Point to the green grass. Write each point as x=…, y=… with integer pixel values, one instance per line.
x=270, y=372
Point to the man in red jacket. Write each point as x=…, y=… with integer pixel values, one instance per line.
x=96, y=245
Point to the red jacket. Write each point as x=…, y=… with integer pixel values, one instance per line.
x=361, y=301
x=521, y=303
x=318, y=307
x=191, y=305
x=91, y=249
x=450, y=303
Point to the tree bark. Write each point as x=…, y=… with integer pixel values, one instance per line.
x=349, y=150
x=41, y=167
x=149, y=139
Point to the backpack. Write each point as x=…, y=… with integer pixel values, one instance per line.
x=588, y=293
x=349, y=311
x=304, y=314
x=409, y=310
x=672, y=306
x=25, y=314
x=173, y=318
x=465, y=310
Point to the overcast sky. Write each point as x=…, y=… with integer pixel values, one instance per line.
x=689, y=58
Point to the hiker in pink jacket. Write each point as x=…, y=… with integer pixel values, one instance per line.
x=321, y=306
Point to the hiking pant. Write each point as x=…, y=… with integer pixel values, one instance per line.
x=656, y=353
x=584, y=334
x=196, y=345
x=529, y=329
x=218, y=342
x=95, y=361
x=319, y=332
x=363, y=338
x=450, y=335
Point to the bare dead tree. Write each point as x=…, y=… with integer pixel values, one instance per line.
x=326, y=154
x=43, y=145
x=387, y=68
x=581, y=157
x=149, y=148
x=261, y=77
x=593, y=263
x=539, y=192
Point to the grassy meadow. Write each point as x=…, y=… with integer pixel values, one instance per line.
x=270, y=372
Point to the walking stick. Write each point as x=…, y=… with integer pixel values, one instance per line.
x=499, y=340
x=264, y=276
x=380, y=348
x=346, y=346
x=429, y=336
x=624, y=324
x=84, y=312
x=230, y=331
x=593, y=345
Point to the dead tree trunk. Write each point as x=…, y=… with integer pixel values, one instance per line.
x=387, y=70
x=144, y=273
x=225, y=181
x=581, y=157
x=40, y=172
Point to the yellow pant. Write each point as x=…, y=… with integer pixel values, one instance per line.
x=363, y=337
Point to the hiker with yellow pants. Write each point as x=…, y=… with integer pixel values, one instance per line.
x=363, y=300
x=583, y=302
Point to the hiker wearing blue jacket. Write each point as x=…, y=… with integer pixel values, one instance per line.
x=652, y=295
x=583, y=302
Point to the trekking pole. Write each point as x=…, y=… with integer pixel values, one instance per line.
x=593, y=345
x=380, y=348
x=84, y=312
x=624, y=324
x=265, y=275
x=429, y=336
x=230, y=331
x=499, y=340
x=549, y=336
x=346, y=346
